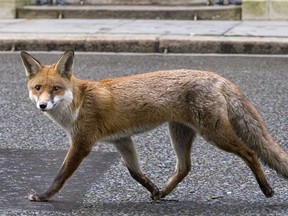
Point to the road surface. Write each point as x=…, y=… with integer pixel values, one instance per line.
x=32, y=147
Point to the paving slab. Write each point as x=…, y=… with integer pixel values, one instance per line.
x=66, y=26
x=138, y=27
x=260, y=29
x=156, y=36
x=175, y=27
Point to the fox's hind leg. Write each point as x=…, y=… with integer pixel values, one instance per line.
x=226, y=139
x=182, y=137
x=128, y=152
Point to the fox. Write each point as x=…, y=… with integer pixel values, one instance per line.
x=189, y=101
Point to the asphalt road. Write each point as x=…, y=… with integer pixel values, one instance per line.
x=32, y=147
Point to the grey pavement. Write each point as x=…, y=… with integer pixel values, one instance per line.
x=160, y=36
x=32, y=147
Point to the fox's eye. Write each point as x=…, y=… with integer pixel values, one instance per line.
x=56, y=88
x=38, y=87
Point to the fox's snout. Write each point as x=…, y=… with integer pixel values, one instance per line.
x=43, y=102
x=45, y=106
x=47, y=102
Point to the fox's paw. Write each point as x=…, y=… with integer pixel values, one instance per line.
x=38, y=197
x=269, y=192
x=156, y=196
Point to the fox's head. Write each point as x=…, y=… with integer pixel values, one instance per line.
x=49, y=85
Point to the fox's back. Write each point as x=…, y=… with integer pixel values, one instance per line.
x=163, y=84
x=153, y=98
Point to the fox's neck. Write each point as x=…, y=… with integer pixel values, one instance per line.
x=66, y=114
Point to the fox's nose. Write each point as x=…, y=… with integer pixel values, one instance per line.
x=43, y=106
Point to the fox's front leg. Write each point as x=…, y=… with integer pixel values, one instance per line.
x=77, y=152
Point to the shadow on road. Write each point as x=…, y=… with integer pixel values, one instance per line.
x=28, y=171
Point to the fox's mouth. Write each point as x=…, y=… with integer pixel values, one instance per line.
x=49, y=106
x=46, y=110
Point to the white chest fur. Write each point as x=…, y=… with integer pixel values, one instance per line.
x=64, y=117
x=62, y=113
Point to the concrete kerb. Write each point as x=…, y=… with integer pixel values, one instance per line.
x=145, y=43
x=97, y=43
x=122, y=43
x=233, y=45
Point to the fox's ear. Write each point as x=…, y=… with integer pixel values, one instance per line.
x=31, y=65
x=65, y=64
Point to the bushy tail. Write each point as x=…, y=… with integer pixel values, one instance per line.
x=251, y=129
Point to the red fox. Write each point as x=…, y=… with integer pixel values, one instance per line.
x=113, y=110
